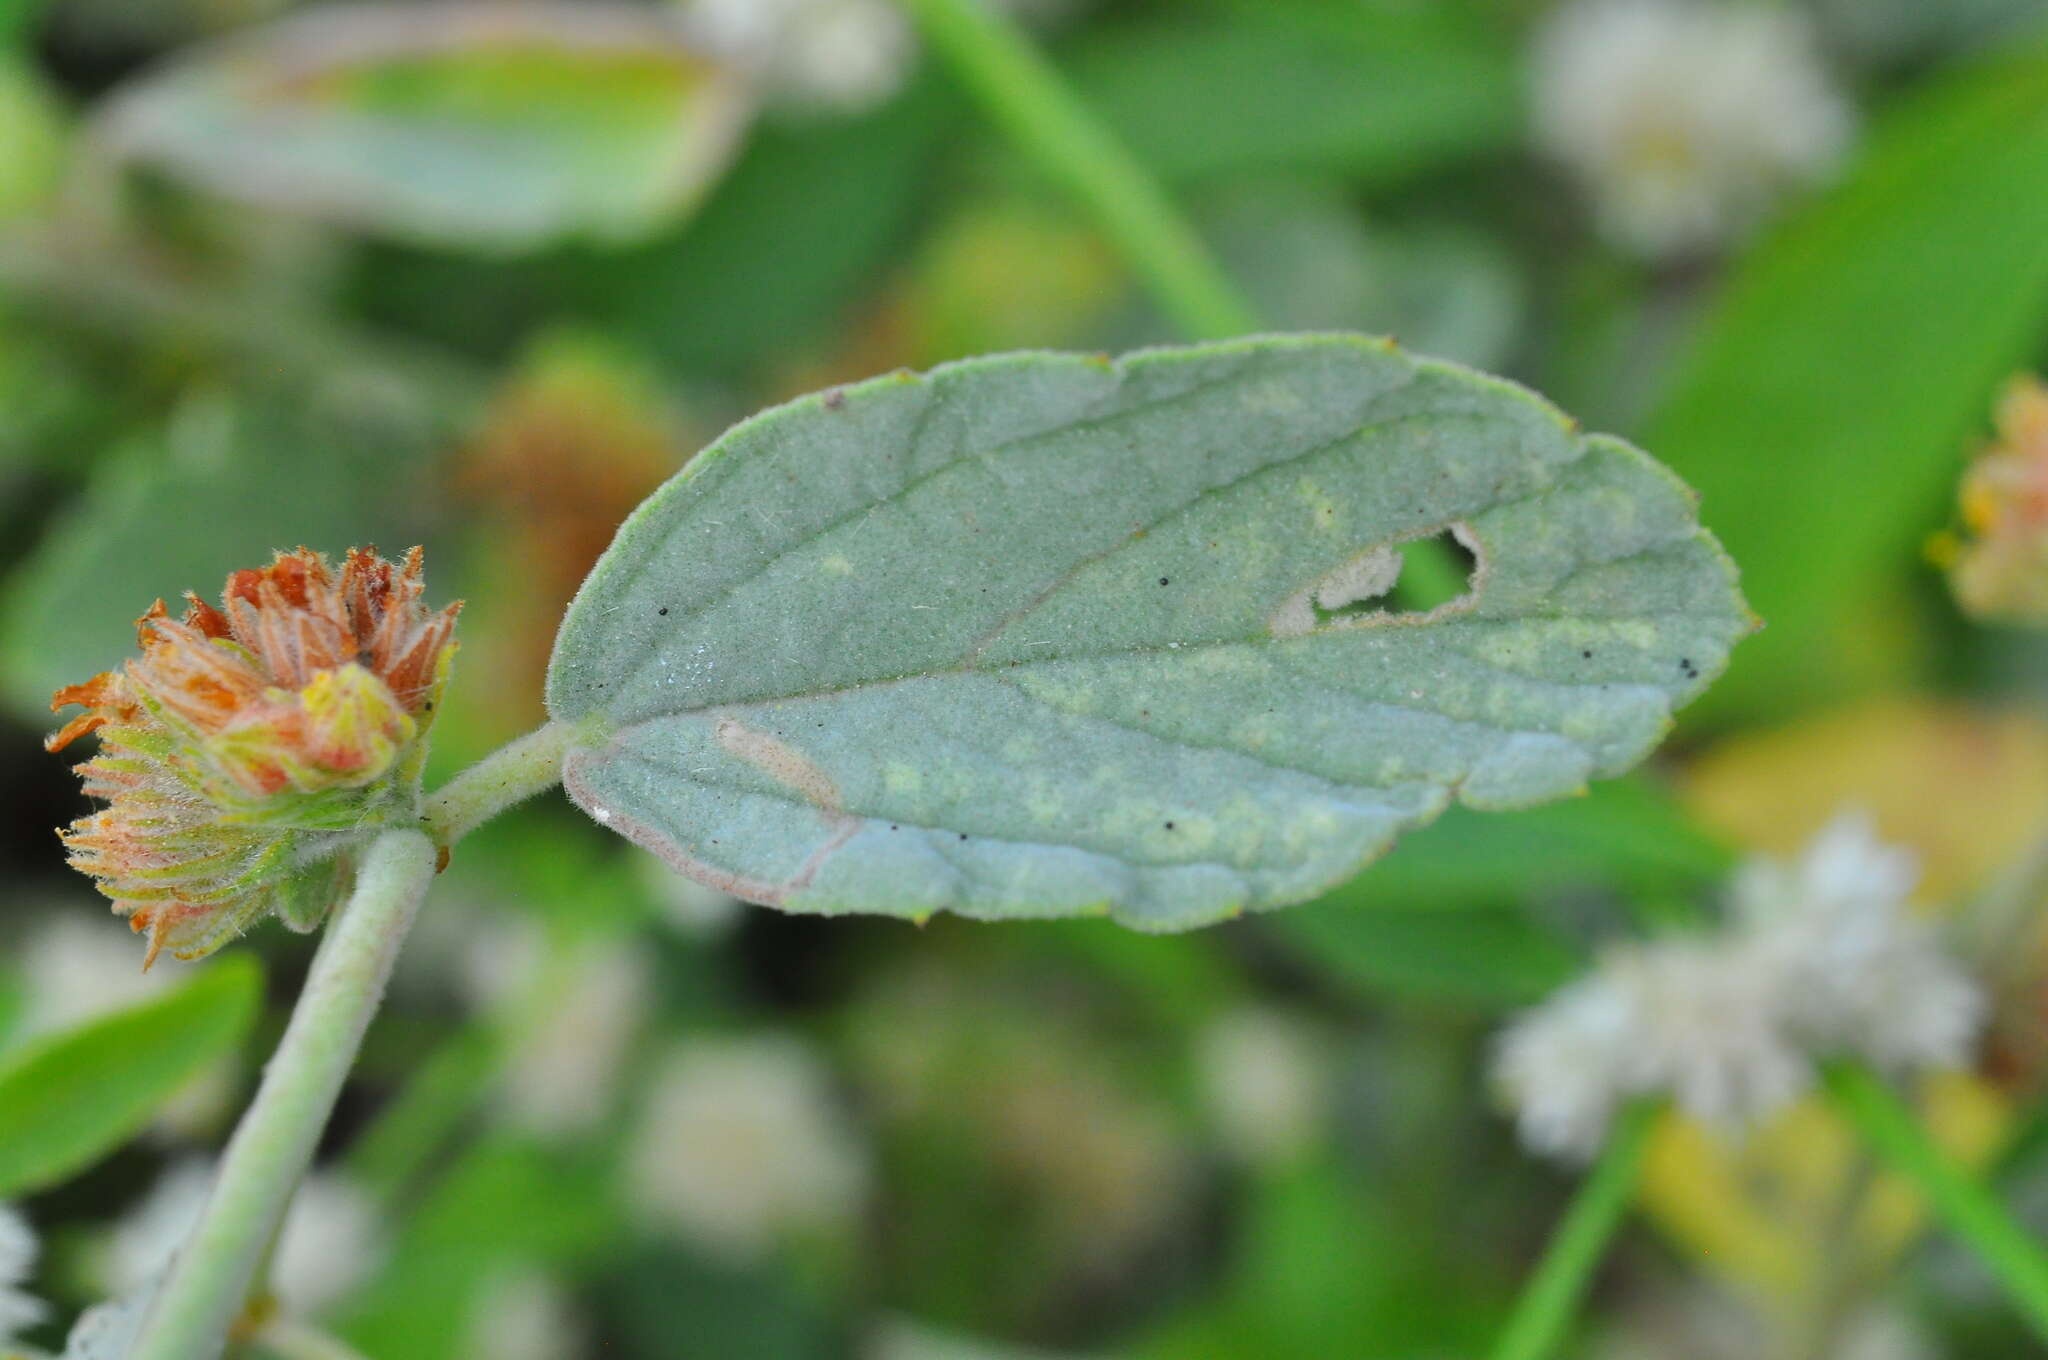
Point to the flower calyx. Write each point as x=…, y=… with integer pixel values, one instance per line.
x=249, y=746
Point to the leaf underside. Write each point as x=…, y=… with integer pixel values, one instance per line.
x=1045, y=635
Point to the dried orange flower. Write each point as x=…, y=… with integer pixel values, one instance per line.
x=244, y=749
x=1999, y=566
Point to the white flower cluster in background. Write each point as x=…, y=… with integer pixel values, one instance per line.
x=1819, y=958
x=1265, y=1082
x=19, y=1309
x=834, y=54
x=903, y=1338
x=77, y=966
x=1697, y=1321
x=741, y=1142
x=572, y=1013
x=843, y=55
x=1685, y=120
x=525, y=1313
x=331, y=1241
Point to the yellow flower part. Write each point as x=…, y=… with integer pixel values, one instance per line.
x=246, y=745
x=1998, y=566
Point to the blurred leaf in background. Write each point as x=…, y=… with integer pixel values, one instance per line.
x=491, y=128
x=1833, y=390
x=579, y=432
x=1373, y=92
x=72, y=1097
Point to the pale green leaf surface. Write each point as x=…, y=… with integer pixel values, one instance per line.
x=1032, y=635
x=70, y=1099
x=490, y=126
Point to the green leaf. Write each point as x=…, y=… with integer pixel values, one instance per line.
x=797, y=226
x=1445, y=915
x=1624, y=837
x=1043, y=635
x=503, y=1203
x=1374, y=96
x=1826, y=410
x=800, y=225
x=495, y=127
x=32, y=129
x=70, y=1099
x=1486, y=956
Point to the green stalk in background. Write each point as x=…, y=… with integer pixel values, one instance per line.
x=1021, y=91
x=1965, y=1207
x=1543, y=1315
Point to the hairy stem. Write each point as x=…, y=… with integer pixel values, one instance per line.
x=1020, y=90
x=1969, y=1210
x=1543, y=1315
x=201, y=1297
x=511, y=774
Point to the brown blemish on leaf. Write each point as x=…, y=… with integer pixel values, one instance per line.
x=779, y=761
x=765, y=892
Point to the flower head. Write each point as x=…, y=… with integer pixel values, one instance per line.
x=1820, y=958
x=741, y=1142
x=1679, y=1017
x=242, y=747
x=1999, y=567
x=1854, y=970
x=1684, y=118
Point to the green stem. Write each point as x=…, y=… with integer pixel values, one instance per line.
x=1544, y=1313
x=1022, y=92
x=200, y=1299
x=1970, y=1211
x=511, y=774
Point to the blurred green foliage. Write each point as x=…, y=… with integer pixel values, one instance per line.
x=67, y=1100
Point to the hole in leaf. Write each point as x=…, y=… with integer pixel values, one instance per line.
x=1412, y=577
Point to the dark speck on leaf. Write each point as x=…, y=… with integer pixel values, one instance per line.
x=663, y=611
x=1169, y=826
x=1587, y=654
x=1162, y=580
x=963, y=835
